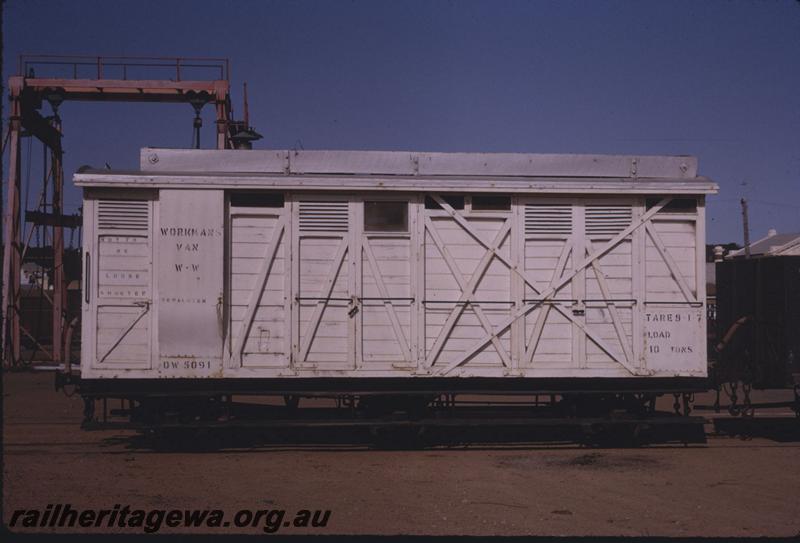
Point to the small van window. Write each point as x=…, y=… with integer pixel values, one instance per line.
x=676, y=205
x=491, y=202
x=456, y=201
x=387, y=216
x=257, y=199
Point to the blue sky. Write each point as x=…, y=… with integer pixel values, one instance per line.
x=714, y=79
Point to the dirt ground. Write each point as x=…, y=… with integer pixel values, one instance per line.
x=726, y=487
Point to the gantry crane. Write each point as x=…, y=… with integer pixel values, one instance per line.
x=196, y=81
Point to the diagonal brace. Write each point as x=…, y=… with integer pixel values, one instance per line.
x=327, y=289
x=468, y=293
x=387, y=302
x=536, y=333
x=521, y=312
x=258, y=289
x=671, y=264
x=462, y=283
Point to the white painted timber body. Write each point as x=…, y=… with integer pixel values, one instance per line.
x=581, y=266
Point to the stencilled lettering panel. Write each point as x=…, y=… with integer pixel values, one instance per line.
x=124, y=267
x=190, y=250
x=124, y=279
x=673, y=337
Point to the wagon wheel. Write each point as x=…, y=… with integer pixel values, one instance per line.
x=291, y=401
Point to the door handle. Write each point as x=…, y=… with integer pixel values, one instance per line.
x=353, y=310
x=87, y=279
x=220, y=315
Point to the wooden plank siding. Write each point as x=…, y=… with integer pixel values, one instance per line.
x=123, y=289
x=550, y=285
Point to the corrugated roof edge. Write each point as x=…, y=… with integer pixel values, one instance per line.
x=416, y=163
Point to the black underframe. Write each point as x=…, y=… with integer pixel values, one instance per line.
x=320, y=386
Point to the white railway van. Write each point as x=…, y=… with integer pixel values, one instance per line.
x=373, y=267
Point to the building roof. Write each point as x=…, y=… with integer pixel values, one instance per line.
x=772, y=245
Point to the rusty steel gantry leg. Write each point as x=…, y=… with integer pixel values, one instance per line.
x=59, y=281
x=12, y=256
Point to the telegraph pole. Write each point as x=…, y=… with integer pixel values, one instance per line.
x=746, y=226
